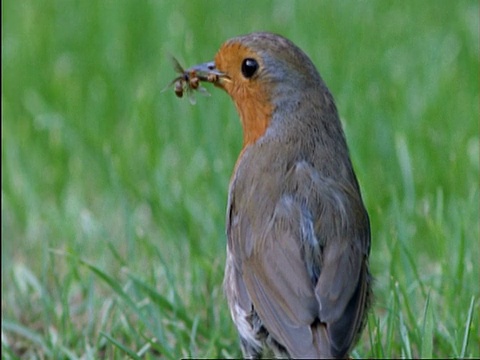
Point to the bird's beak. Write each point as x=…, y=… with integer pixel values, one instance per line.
x=209, y=73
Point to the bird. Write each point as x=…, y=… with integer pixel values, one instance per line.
x=297, y=277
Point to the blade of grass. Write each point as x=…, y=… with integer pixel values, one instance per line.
x=413, y=266
x=168, y=273
x=405, y=338
x=407, y=307
x=165, y=304
x=126, y=350
x=106, y=278
x=158, y=347
x=375, y=338
x=403, y=328
x=116, y=254
x=117, y=289
x=26, y=333
x=427, y=336
x=468, y=324
x=391, y=317
x=405, y=163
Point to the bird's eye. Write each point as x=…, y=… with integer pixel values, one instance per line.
x=249, y=67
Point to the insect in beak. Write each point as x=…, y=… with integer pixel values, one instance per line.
x=190, y=78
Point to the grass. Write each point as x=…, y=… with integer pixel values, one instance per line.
x=113, y=193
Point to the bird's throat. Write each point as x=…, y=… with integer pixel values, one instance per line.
x=255, y=115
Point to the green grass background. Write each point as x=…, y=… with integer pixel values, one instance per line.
x=114, y=193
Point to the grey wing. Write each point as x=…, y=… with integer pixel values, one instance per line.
x=278, y=284
x=314, y=233
x=344, y=285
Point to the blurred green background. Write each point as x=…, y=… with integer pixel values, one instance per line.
x=114, y=193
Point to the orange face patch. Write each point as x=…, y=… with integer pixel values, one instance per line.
x=252, y=96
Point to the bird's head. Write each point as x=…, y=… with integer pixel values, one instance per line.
x=261, y=72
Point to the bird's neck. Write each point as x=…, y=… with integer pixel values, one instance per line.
x=255, y=116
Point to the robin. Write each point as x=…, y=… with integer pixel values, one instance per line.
x=296, y=278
